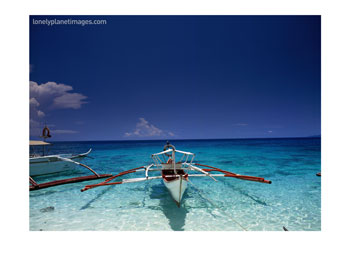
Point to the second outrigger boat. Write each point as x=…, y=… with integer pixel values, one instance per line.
x=51, y=164
x=175, y=175
x=43, y=164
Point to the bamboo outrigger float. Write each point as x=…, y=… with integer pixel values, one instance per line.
x=175, y=175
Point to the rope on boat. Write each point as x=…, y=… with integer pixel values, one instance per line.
x=213, y=204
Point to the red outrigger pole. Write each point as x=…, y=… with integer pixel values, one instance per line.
x=238, y=176
x=212, y=169
x=107, y=181
x=35, y=186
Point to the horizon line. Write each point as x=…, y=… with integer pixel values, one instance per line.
x=203, y=139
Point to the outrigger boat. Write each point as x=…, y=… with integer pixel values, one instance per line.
x=175, y=175
x=50, y=164
x=42, y=164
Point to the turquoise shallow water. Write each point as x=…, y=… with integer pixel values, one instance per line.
x=292, y=200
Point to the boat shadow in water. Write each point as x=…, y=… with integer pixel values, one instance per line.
x=245, y=193
x=98, y=196
x=175, y=215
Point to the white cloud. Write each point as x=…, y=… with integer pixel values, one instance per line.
x=269, y=131
x=53, y=132
x=146, y=129
x=57, y=96
x=51, y=96
x=69, y=101
x=40, y=114
x=34, y=102
x=48, y=88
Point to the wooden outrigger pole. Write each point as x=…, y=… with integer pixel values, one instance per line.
x=234, y=175
x=135, y=180
x=107, y=181
x=35, y=186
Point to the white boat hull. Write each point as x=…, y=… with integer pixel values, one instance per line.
x=176, y=188
x=51, y=164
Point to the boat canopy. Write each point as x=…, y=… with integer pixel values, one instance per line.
x=37, y=143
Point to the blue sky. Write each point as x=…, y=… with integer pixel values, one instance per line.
x=176, y=77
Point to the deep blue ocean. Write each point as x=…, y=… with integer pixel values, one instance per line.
x=292, y=200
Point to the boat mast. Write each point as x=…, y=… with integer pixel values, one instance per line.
x=167, y=146
x=173, y=157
